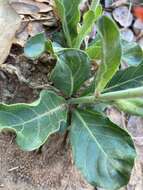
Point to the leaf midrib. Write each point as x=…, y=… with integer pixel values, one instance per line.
x=37, y=117
x=87, y=128
x=122, y=83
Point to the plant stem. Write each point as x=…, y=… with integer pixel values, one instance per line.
x=110, y=96
x=94, y=4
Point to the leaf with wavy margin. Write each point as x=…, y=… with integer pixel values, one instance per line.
x=34, y=123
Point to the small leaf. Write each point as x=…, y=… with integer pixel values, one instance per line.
x=111, y=51
x=131, y=77
x=132, y=53
x=131, y=106
x=34, y=123
x=89, y=19
x=71, y=71
x=94, y=49
x=62, y=78
x=59, y=38
x=103, y=152
x=69, y=14
x=35, y=46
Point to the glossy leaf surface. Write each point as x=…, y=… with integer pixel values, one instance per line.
x=35, y=46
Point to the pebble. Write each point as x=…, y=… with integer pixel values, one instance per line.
x=123, y=16
x=127, y=35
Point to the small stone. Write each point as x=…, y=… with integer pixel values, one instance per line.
x=127, y=35
x=123, y=16
x=138, y=24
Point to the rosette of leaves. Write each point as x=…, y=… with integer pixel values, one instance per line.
x=103, y=151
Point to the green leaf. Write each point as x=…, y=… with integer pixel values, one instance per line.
x=59, y=38
x=111, y=51
x=102, y=151
x=95, y=4
x=35, y=46
x=34, y=123
x=62, y=78
x=71, y=71
x=94, y=50
x=131, y=77
x=69, y=14
x=89, y=19
x=131, y=106
x=132, y=53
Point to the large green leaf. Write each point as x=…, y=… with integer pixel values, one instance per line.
x=132, y=106
x=103, y=151
x=69, y=14
x=132, y=53
x=128, y=78
x=71, y=70
x=111, y=51
x=34, y=123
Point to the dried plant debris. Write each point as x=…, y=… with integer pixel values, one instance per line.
x=9, y=23
x=36, y=17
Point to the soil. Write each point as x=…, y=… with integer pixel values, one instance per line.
x=51, y=167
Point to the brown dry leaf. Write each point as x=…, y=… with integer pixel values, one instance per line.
x=25, y=9
x=36, y=16
x=43, y=7
x=9, y=23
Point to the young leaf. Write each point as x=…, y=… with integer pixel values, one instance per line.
x=94, y=49
x=34, y=123
x=35, y=46
x=88, y=21
x=69, y=14
x=128, y=78
x=131, y=106
x=111, y=50
x=62, y=78
x=94, y=4
x=132, y=53
x=71, y=70
x=102, y=151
